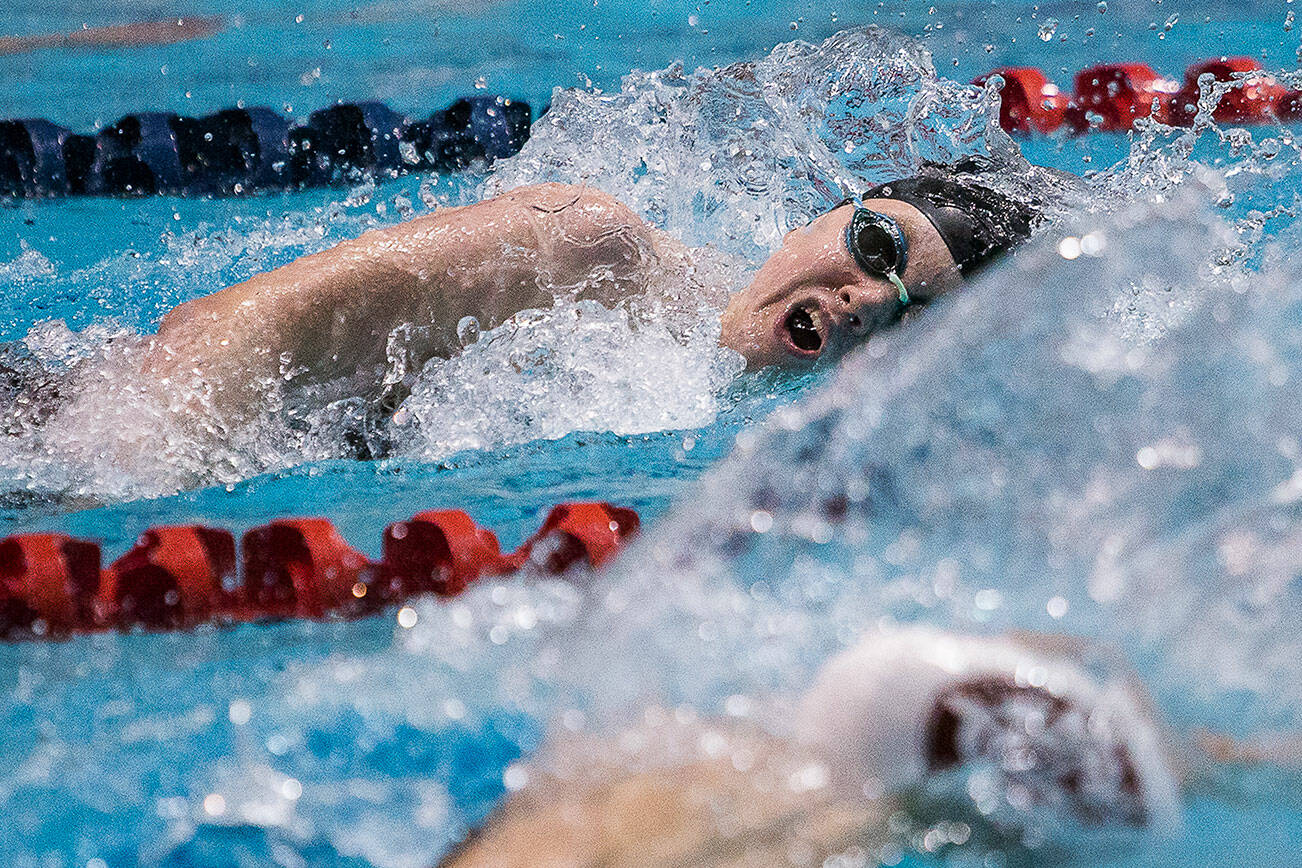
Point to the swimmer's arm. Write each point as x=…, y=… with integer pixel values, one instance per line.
x=326, y=314
x=707, y=814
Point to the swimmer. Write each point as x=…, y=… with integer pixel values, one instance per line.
x=1010, y=739
x=338, y=315
x=361, y=319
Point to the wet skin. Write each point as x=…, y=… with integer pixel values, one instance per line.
x=814, y=273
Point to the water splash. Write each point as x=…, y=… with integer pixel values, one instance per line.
x=1023, y=460
x=1098, y=439
x=735, y=157
x=576, y=367
x=727, y=160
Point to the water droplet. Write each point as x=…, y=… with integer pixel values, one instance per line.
x=467, y=330
x=1048, y=29
x=1103, y=7
x=426, y=193
x=240, y=712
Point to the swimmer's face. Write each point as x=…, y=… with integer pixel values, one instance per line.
x=811, y=297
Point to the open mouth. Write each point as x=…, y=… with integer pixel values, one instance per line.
x=801, y=334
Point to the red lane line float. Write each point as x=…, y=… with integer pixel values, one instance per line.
x=301, y=567
x=177, y=577
x=440, y=551
x=579, y=531
x=1260, y=98
x=1111, y=97
x=174, y=577
x=48, y=584
x=1029, y=101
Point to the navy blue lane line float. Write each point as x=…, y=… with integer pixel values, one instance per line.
x=247, y=150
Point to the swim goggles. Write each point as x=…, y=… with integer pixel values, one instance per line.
x=878, y=246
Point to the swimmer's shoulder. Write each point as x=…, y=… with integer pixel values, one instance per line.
x=655, y=796
x=552, y=217
x=554, y=197
x=585, y=214
x=587, y=226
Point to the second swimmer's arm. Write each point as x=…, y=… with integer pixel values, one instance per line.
x=706, y=814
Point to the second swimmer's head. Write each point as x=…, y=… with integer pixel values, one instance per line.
x=857, y=267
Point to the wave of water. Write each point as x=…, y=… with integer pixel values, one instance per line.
x=1098, y=438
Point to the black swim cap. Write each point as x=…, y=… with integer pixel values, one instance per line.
x=976, y=223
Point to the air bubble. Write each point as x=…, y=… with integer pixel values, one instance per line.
x=467, y=330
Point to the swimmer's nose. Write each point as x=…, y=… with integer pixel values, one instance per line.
x=860, y=307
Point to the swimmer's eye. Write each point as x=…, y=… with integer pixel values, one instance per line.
x=804, y=335
x=877, y=243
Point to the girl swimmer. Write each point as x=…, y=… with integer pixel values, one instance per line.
x=331, y=322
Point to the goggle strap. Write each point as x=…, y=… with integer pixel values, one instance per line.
x=899, y=284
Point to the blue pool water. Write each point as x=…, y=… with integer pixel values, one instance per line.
x=1007, y=425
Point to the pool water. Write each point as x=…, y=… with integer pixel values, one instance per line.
x=1006, y=427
